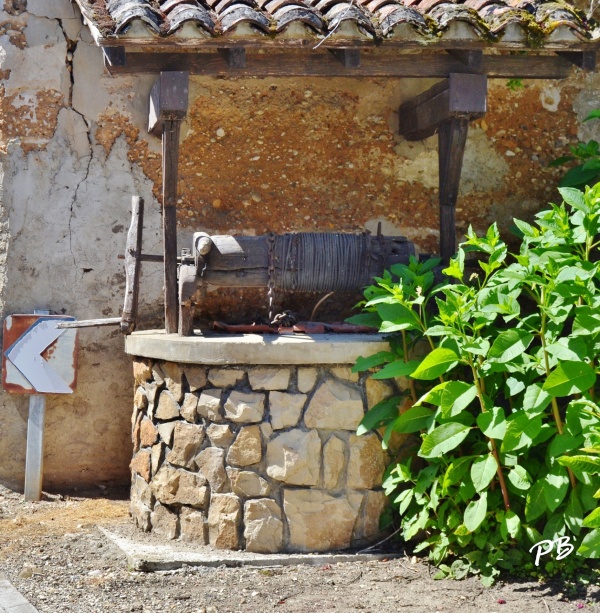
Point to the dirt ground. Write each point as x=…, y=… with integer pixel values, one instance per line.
x=55, y=555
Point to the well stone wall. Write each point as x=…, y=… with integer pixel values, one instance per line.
x=263, y=458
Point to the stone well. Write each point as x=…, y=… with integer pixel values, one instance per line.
x=249, y=442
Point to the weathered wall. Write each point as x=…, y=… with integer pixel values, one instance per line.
x=257, y=155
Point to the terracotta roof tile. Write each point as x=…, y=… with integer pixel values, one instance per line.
x=375, y=20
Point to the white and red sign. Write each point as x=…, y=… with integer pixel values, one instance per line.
x=38, y=357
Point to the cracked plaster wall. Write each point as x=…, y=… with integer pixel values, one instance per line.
x=256, y=155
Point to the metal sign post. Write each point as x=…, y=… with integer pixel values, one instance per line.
x=38, y=358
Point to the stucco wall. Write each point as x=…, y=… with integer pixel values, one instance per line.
x=256, y=155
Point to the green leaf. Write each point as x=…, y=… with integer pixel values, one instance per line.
x=395, y=317
x=574, y=514
x=509, y=345
x=365, y=319
x=570, y=378
x=586, y=323
x=519, y=478
x=575, y=198
x=535, y=504
x=493, y=423
x=593, y=519
x=521, y=431
x=475, y=513
x=379, y=415
x=413, y=420
x=372, y=361
x=456, y=471
x=592, y=115
x=556, y=485
x=435, y=364
x=577, y=177
x=457, y=396
x=535, y=400
x=397, y=369
x=582, y=463
x=483, y=470
x=443, y=439
x=562, y=443
x=510, y=525
x=590, y=546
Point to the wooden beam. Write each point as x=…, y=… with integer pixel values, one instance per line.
x=459, y=95
x=348, y=58
x=452, y=137
x=168, y=99
x=323, y=64
x=113, y=56
x=133, y=252
x=168, y=107
x=235, y=57
x=472, y=58
x=586, y=60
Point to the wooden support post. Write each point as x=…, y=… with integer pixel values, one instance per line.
x=34, y=458
x=170, y=152
x=452, y=137
x=168, y=107
x=586, y=60
x=446, y=108
x=133, y=252
x=114, y=56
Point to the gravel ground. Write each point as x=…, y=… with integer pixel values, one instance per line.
x=54, y=554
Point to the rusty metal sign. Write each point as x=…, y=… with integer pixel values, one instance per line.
x=38, y=357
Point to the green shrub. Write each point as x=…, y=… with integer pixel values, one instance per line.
x=504, y=399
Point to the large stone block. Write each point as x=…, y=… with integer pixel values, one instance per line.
x=294, y=457
x=142, y=370
x=247, y=484
x=263, y=526
x=209, y=405
x=167, y=408
x=189, y=407
x=247, y=447
x=192, y=526
x=334, y=461
x=140, y=399
x=141, y=515
x=140, y=464
x=335, y=406
x=176, y=486
x=210, y=462
x=318, y=521
x=285, y=409
x=156, y=457
x=187, y=439
x=224, y=519
x=173, y=379
x=307, y=377
x=367, y=462
x=141, y=491
x=225, y=377
x=220, y=435
x=195, y=376
x=148, y=433
x=269, y=378
x=345, y=372
x=164, y=522
x=367, y=527
x=243, y=407
x=165, y=431
x=377, y=391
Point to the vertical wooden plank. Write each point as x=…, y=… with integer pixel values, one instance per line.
x=170, y=155
x=133, y=251
x=34, y=459
x=452, y=137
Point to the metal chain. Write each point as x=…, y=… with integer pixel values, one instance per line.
x=271, y=273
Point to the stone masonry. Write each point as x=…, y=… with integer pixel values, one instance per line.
x=258, y=458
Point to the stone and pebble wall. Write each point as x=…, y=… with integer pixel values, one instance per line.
x=258, y=458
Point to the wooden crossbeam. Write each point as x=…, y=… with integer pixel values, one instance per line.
x=235, y=57
x=472, y=58
x=586, y=60
x=348, y=58
x=113, y=56
x=446, y=108
x=372, y=64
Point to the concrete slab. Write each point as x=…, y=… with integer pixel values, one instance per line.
x=11, y=601
x=254, y=348
x=143, y=557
